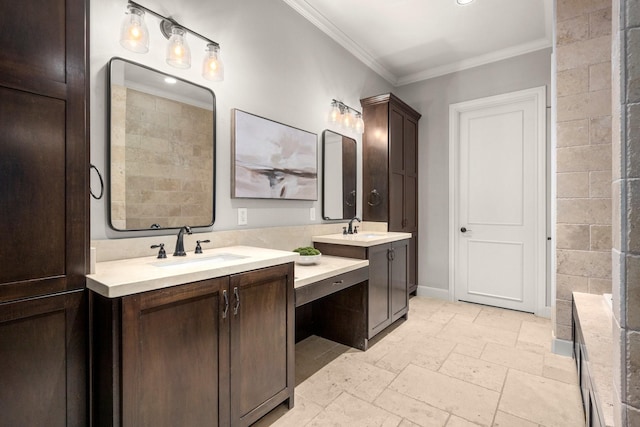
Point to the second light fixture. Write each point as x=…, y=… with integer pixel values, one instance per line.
x=347, y=117
x=134, y=36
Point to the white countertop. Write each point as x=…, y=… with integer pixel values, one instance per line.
x=131, y=276
x=328, y=266
x=363, y=239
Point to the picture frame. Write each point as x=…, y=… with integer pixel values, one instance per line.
x=271, y=160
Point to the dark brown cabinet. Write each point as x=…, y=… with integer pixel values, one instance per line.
x=388, y=285
x=43, y=213
x=390, y=169
x=213, y=353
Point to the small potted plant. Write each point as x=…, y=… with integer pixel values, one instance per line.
x=308, y=255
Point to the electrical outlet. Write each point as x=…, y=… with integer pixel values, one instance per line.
x=312, y=214
x=242, y=216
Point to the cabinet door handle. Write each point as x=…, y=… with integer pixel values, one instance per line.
x=226, y=304
x=339, y=282
x=391, y=254
x=236, y=294
x=375, y=198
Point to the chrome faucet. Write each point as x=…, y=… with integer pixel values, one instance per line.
x=180, y=243
x=350, y=229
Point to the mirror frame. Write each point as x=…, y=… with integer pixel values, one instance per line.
x=160, y=230
x=324, y=176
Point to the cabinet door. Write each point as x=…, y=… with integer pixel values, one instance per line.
x=399, y=279
x=262, y=342
x=43, y=354
x=175, y=356
x=379, y=291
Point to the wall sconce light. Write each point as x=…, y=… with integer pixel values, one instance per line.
x=347, y=117
x=134, y=36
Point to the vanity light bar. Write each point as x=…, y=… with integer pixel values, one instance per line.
x=349, y=118
x=134, y=36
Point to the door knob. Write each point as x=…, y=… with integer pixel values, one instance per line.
x=464, y=229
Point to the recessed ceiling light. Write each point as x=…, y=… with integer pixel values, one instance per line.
x=170, y=80
x=463, y=2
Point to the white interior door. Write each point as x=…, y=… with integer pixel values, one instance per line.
x=499, y=191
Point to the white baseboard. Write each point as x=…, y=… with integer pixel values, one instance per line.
x=437, y=293
x=544, y=312
x=562, y=347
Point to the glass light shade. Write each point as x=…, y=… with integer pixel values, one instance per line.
x=348, y=120
x=178, y=52
x=212, y=66
x=134, y=35
x=335, y=113
x=359, y=124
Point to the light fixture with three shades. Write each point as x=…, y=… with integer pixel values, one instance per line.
x=347, y=117
x=134, y=36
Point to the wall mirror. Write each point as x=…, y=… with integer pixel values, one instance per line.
x=162, y=150
x=339, y=171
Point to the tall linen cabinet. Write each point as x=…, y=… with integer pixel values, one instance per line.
x=390, y=169
x=44, y=202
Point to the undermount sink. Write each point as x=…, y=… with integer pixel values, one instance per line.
x=197, y=259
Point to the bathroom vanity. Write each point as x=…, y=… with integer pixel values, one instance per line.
x=184, y=341
x=387, y=290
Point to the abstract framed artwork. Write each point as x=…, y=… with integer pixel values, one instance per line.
x=271, y=160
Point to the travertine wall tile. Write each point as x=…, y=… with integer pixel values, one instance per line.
x=573, y=133
x=600, y=103
x=600, y=130
x=599, y=286
x=601, y=238
x=573, y=237
x=633, y=14
x=573, y=107
x=584, y=211
x=600, y=76
x=572, y=30
x=633, y=217
x=600, y=23
x=573, y=81
x=584, y=53
x=570, y=8
x=600, y=184
x=616, y=218
x=563, y=312
x=584, y=263
x=566, y=285
x=633, y=142
x=584, y=158
x=633, y=369
x=632, y=279
x=573, y=184
x=633, y=65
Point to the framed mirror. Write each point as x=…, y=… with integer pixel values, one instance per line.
x=339, y=172
x=161, y=150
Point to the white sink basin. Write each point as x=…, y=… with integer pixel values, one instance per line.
x=197, y=259
x=364, y=239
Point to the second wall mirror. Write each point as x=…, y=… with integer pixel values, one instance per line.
x=162, y=150
x=339, y=171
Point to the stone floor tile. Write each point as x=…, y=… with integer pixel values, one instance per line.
x=411, y=409
x=495, y=320
x=361, y=379
x=507, y=420
x=469, y=350
x=535, y=333
x=515, y=358
x=460, y=422
x=348, y=410
x=427, y=352
x=407, y=423
x=474, y=334
x=301, y=414
x=542, y=400
x=460, y=398
x=475, y=371
x=561, y=368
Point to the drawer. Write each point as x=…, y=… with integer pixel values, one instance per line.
x=322, y=288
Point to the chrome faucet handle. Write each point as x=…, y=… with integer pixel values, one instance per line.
x=161, y=253
x=198, y=247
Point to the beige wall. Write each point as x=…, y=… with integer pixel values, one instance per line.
x=626, y=216
x=583, y=166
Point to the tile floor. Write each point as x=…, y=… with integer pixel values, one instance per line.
x=449, y=364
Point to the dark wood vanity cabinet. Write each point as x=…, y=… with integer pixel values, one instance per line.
x=388, y=285
x=390, y=169
x=44, y=205
x=217, y=352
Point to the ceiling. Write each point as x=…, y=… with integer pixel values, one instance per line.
x=411, y=40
